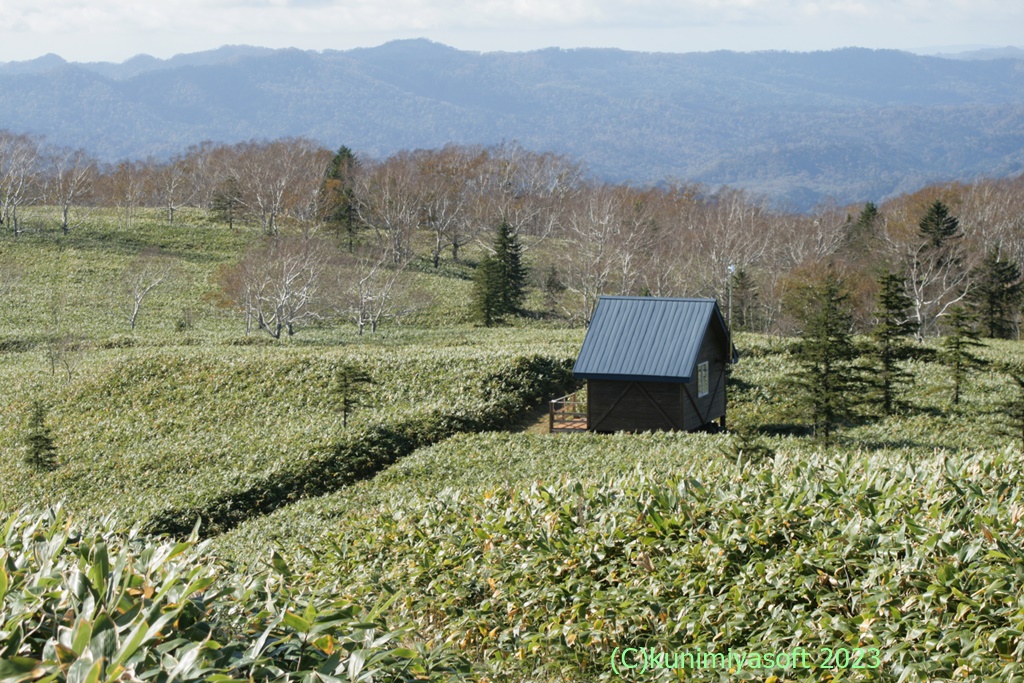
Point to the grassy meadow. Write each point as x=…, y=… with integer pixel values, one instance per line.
x=442, y=535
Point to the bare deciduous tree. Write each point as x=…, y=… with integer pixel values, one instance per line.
x=673, y=258
x=124, y=187
x=528, y=189
x=937, y=275
x=448, y=186
x=992, y=215
x=592, y=227
x=63, y=347
x=388, y=203
x=72, y=174
x=208, y=165
x=145, y=273
x=735, y=234
x=278, y=285
x=171, y=184
x=281, y=178
x=19, y=155
x=373, y=287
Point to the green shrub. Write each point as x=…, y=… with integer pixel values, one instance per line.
x=90, y=604
x=41, y=453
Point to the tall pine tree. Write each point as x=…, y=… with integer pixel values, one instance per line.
x=743, y=300
x=826, y=377
x=889, y=341
x=997, y=295
x=227, y=201
x=509, y=254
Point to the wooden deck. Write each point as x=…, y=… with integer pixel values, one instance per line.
x=568, y=414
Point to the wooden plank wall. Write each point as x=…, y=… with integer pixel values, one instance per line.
x=698, y=411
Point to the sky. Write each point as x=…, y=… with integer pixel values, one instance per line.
x=115, y=30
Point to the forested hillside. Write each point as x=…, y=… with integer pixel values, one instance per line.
x=438, y=212
x=852, y=124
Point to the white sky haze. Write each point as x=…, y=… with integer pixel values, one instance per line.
x=115, y=30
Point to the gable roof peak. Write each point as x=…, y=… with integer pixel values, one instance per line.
x=656, y=339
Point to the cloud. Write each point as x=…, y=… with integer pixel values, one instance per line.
x=70, y=15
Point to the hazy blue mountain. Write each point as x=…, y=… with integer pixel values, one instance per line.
x=853, y=124
x=1008, y=52
x=47, y=62
x=141, y=64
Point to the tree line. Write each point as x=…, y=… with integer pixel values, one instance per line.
x=841, y=380
x=949, y=245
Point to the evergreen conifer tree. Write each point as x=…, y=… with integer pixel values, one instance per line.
x=349, y=387
x=956, y=350
x=42, y=451
x=997, y=295
x=341, y=193
x=1013, y=409
x=889, y=341
x=553, y=288
x=938, y=225
x=868, y=216
x=744, y=300
x=509, y=254
x=227, y=201
x=827, y=378
x=500, y=281
x=862, y=231
x=488, y=285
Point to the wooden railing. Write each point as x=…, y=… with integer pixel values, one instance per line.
x=568, y=413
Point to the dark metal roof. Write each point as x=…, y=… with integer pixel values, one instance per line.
x=647, y=339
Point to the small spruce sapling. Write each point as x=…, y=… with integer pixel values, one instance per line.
x=747, y=447
x=42, y=451
x=349, y=388
x=956, y=350
x=1013, y=408
x=553, y=288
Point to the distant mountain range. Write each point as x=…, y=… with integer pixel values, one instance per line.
x=851, y=124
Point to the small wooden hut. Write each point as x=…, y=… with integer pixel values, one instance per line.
x=654, y=364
